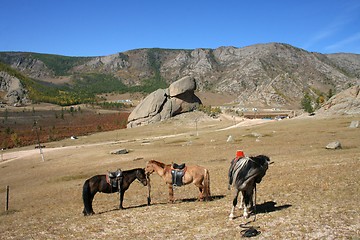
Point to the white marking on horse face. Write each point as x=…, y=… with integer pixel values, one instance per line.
x=149, y=169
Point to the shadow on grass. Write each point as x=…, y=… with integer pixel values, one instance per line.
x=270, y=206
x=266, y=207
x=8, y=212
x=124, y=209
x=213, y=198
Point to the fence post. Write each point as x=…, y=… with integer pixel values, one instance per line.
x=7, y=198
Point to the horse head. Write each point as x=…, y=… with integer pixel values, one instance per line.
x=149, y=169
x=141, y=176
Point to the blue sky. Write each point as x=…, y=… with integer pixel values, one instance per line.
x=103, y=27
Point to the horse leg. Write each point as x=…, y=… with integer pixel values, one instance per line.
x=242, y=204
x=121, y=199
x=88, y=196
x=91, y=212
x=248, y=202
x=88, y=209
x=231, y=216
x=201, y=191
x=171, y=194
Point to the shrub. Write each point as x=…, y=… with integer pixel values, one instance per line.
x=306, y=103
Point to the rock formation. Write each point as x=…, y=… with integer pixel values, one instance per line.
x=165, y=103
x=15, y=93
x=346, y=102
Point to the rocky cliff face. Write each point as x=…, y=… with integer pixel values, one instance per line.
x=14, y=91
x=346, y=102
x=259, y=75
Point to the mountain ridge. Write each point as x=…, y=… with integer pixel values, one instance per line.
x=271, y=74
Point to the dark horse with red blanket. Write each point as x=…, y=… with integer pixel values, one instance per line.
x=245, y=173
x=118, y=181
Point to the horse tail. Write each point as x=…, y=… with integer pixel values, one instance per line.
x=231, y=173
x=87, y=198
x=207, y=193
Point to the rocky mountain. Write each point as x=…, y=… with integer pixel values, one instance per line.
x=260, y=75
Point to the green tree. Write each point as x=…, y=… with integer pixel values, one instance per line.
x=306, y=103
x=330, y=93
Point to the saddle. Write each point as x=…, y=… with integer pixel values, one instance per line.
x=112, y=178
x=178, y=166
x=177, y=173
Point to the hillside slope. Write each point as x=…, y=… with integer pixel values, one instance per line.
x=272, y=74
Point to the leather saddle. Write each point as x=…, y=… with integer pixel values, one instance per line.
x=177, y=173
x=178, y=166
x=112, y=178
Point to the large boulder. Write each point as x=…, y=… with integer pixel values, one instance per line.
x=185, y=84
x=165, y=103
x=344, y=103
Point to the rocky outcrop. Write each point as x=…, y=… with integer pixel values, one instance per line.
x=165, y=103
x=345, y=103
x=272, y=74
x=15, y=93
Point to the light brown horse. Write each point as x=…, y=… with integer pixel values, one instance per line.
x=194, y=174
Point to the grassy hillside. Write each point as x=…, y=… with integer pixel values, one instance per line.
x=83, y=88
x=45, y=92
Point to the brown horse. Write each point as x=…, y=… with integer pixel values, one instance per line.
x=193, y=174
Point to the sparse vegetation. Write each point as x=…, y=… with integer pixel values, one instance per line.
x=306, y=103
x=84, y=87
x=60, y=65
x=210, y=111
x=297, y=199
x=17, y=131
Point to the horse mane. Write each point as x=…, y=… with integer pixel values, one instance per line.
x=132, y=170
x=260, y=159
x=160, y=164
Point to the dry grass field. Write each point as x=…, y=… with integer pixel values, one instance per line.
x=308, y=193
